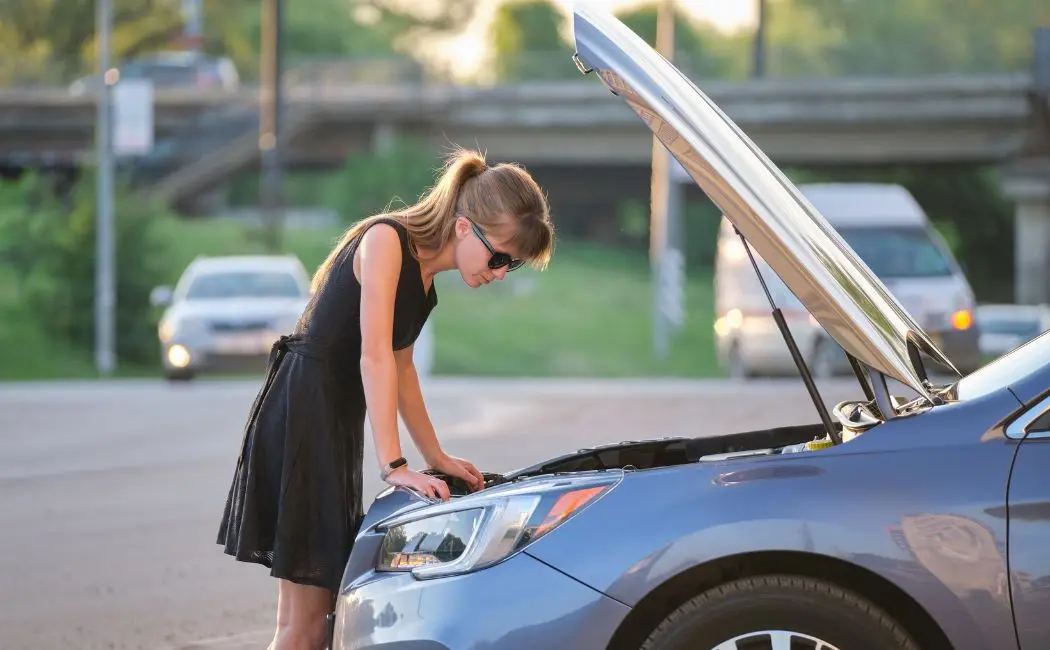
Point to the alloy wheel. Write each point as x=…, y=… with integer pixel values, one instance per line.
x=775, y=640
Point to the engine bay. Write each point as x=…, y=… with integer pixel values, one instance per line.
x=854, y=418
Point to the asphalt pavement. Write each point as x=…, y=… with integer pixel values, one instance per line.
x=111, y=492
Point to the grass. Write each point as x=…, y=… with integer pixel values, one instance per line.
x=29, y=354
x=588, y=314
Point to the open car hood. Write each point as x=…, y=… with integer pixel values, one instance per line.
x=831, y=281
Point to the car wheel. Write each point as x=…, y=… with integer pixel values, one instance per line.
x=778, y=612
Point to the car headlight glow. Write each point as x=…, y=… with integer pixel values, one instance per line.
x=475, y=532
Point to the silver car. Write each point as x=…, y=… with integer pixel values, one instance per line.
x=225, y=312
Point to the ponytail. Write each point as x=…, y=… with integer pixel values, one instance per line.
x=487, y=195
x=430, y=220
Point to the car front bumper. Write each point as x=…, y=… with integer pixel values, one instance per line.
x=204, y=354
x=517, y=604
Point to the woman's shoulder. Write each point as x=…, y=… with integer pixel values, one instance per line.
x=392, y=223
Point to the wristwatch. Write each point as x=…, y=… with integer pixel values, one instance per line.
x=391, y=466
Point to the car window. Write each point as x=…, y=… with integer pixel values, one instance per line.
x=898, y=252
x=244, y=284
x=1041, y=424
x=1005, y=370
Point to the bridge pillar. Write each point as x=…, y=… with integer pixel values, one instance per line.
x=1028, y=186
x=383, y=135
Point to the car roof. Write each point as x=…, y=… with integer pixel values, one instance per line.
x=246, y=262
x=864, y=204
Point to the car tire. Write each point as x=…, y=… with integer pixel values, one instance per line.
x=803, y=606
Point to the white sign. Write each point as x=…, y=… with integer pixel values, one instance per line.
x=132, y=117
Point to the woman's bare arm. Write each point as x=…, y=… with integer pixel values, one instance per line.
x=413, y=410
x=379, y=260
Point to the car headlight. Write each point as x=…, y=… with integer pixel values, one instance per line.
x=479, y=531
x=181, y=327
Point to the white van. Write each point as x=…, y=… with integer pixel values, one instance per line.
x=890, y=232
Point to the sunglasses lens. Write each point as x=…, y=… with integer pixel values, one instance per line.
x=499, y=260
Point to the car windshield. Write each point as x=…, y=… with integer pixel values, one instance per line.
x=1005, y=370
x=898, y=252
x=244, y=284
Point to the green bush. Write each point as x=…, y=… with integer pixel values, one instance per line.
x=49, y=244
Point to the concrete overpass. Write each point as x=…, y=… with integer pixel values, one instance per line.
x=841, y=121
x=205, y=138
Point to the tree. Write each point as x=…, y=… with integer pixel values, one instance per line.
x=922, y=36
x=528, y=42
x=701, y=50
x=53, y=41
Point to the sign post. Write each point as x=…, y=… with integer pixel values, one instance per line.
x=105, y=281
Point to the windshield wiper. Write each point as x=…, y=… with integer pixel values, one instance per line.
x=796, y=355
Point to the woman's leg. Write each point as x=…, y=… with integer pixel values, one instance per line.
x=301, y=612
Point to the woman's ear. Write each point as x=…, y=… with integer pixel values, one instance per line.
x=462, y=227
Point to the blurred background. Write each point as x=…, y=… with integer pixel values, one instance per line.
x=268, y=127
x=163, y=205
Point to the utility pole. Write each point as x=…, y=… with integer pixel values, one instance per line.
x=192, y=32
x=270, y=104
x=758, y=53
x=666, y=300
x=105, y=276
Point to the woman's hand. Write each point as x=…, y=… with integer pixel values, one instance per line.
x=462, y=469
x=430, y=486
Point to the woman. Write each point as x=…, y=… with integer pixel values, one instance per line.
x=296, y=500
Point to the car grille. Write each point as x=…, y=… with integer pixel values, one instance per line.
x=240, y=326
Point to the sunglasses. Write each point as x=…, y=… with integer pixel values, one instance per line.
x=498, y=259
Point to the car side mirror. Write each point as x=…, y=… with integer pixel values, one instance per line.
x=160, y=296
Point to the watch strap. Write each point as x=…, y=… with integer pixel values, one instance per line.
x=397, y=463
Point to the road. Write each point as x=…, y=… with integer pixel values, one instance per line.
x=111, y=492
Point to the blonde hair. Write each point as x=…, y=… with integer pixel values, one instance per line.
x=502, y=199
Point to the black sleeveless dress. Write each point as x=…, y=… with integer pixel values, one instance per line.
x=296, y=501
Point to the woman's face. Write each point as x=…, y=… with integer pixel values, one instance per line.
x=472, y=255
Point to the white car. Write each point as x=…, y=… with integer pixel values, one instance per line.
x=888, y=229
x=226, y=312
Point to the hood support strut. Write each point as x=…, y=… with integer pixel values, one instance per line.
x=796, y=355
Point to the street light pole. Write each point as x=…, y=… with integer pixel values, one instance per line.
x=758, y=53
x=665, y=297
x=105, y=281
x=270, y=123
